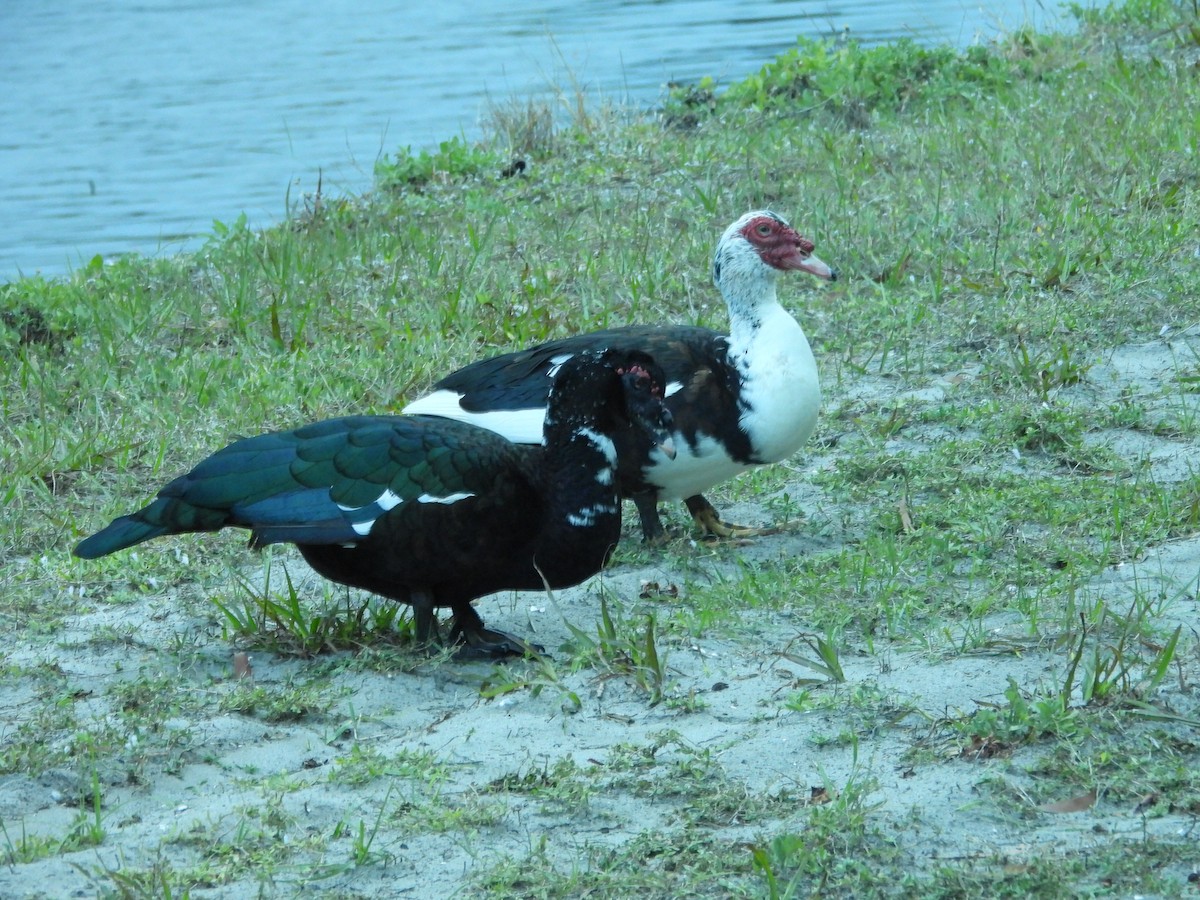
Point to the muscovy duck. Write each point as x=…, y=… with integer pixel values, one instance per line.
x=738, y=400
x=429, y=511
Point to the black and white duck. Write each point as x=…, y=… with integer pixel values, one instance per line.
x=739, y=400
x=428, y=511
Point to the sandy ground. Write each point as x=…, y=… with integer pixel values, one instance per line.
x=222, y=765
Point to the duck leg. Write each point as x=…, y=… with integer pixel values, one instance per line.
x=653, y=532
x=428, y=634
x=477, y=642
x=704, y=514
x=709, y=521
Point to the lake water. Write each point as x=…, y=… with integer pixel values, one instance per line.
x=131, y=126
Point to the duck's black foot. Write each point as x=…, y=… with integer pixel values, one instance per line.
x=486, y=644
x=473, y=641
x=708, y=520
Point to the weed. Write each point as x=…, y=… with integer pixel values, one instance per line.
x=1107, y=670
x=562, y=785
x=1018, y=720
x=831, y=847
x=619, y=648
x=784, y=510
x=828, y=662
x=535, y=676
x=287, y=703
x=1043, y=371
x=687, y=105
x=454, y=159
x=363, y=765
x=362, y=838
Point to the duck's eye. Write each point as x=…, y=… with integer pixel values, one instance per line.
x=763, y=230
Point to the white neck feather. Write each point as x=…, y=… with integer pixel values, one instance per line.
x=781, y=392
x=744, y=280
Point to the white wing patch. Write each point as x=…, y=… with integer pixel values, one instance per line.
x=363, y=518
x=369, y=512
x=673, y=387
x=521, y=426
x=385, y=501
x=449, y=498
x=556, y=363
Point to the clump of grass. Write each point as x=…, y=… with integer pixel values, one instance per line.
x=849, y=80
x=364, y=764
x=243, y=845
x=289, y=702
x=285, y=623
x=840, y=834
x=558, y=786
x=1043, y=372
x=525, y=127
x=455, y=159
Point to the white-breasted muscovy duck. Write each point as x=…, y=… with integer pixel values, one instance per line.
x=429, y=511
x=738, y=400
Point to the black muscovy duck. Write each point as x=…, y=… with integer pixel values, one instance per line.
x=429, y=511
x=739, y=400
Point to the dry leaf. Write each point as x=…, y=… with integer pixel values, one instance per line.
x=654, y=589
x=906, y=522
x=984, y=748
x=241, y=666
x=1071, y=805
x=624, y=720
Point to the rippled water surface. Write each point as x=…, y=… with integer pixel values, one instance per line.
x=132, y=126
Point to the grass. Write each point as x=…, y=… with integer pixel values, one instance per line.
x=1004, y=484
